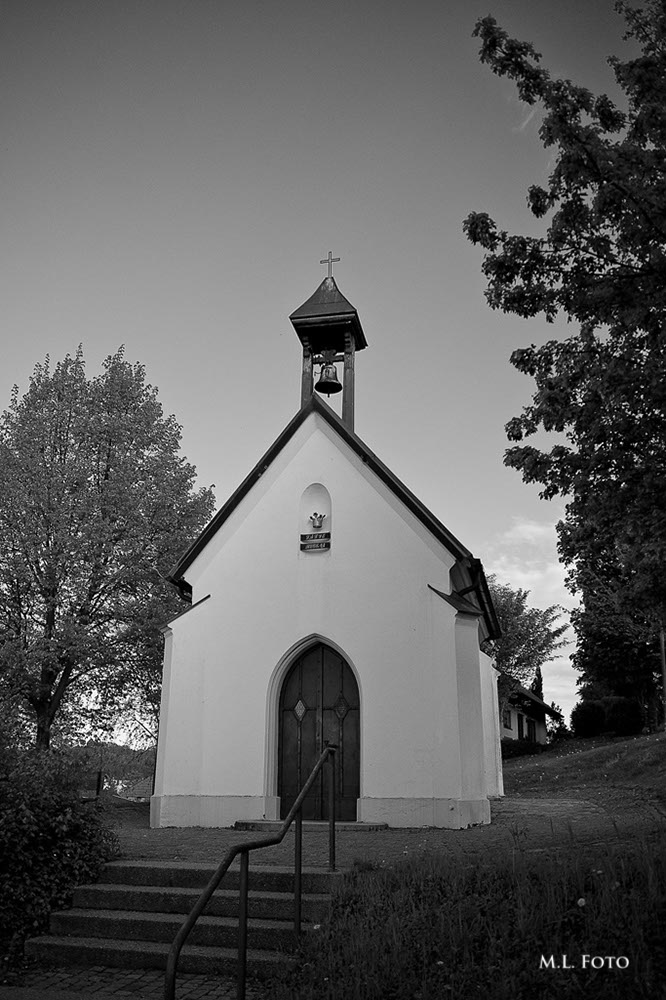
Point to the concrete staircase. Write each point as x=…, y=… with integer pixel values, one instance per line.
x=130, y=917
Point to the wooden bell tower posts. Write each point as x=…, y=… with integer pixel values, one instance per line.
x=330, y=331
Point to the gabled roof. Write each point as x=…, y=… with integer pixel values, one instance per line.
x=413, y=504
x=316, y=405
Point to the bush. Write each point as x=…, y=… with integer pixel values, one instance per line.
x=612, y=714
x=588, y=718
x=521, y=748
x=624, y=716
x=50, y=841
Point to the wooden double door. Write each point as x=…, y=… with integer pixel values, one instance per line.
x=319, y=703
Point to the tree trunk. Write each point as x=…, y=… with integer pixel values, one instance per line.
x=662, y=651
x=48, y=701
x=43, y=728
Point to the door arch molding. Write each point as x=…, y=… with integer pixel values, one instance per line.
x=280, y=671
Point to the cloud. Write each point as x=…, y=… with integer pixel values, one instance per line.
x=525, y=556
x=542, y=577
x=524, y=530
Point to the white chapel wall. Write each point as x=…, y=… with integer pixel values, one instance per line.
x=368, y=595
x=491, y=727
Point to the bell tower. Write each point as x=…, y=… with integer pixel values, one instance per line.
x=330, y=331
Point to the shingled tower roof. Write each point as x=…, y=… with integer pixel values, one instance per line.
x=325, y=318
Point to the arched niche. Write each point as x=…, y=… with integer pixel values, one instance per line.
x=315, y=499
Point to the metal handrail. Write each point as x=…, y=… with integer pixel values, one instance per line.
x=244, y=850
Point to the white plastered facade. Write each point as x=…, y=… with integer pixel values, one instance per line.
x=429, y=743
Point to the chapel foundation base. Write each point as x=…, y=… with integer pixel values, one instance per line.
x=450, y=814
x=226, y=810
x=208, y=810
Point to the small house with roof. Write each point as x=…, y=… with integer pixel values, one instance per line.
x=327, y=603
x=524, y=717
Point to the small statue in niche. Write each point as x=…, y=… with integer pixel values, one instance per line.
x=317, y=520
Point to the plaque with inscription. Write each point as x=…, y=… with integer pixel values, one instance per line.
x=312, y=546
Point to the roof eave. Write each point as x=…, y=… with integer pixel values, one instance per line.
x=197, y=546
x=332, y=323
x=526, y=693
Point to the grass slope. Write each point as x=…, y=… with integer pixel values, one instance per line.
x=593, y=769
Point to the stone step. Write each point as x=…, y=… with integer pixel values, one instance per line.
x=193, y=874
x=130, y=918
x=131, y=925
x=264, y=905
x=196, y=959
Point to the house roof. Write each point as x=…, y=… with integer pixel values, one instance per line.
x=141, y=789
x=413, y=504
x=523, y=692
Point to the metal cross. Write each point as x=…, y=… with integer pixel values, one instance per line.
x=330, y=260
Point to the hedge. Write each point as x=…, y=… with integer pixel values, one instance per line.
x=50, y=841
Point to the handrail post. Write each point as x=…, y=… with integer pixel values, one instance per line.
x=298, y=866
x=170, y=976
x=331, y=812
x=242, y=925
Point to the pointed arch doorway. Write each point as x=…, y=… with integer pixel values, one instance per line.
x=319, y=702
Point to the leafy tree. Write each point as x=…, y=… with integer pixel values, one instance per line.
x=530, y=637
x=602, y=264
x=624, y=716
x=95, y=504
x=616, y=652
x=556, y=729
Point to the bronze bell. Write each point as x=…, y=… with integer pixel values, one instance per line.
x=328, y=380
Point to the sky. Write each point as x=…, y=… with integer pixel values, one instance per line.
x=173, y=172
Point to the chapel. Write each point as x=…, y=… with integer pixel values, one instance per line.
x=325, y=602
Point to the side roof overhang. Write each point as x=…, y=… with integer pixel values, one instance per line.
x=483, y=608
x=467, y=564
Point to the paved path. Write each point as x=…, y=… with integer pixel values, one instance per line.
x=526, y=824
x=118, y=984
